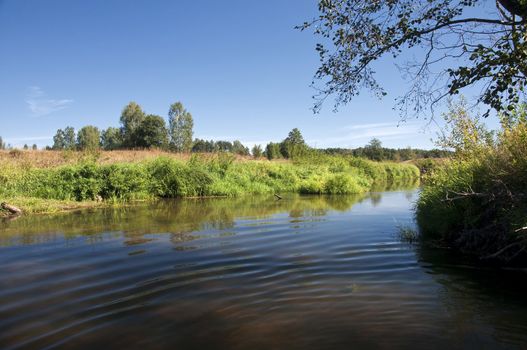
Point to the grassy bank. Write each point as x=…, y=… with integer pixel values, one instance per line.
x=38, y=188
x=476, y=202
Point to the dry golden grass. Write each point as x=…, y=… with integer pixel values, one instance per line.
x=50, y=159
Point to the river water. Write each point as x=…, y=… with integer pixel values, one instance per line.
x=248, y=273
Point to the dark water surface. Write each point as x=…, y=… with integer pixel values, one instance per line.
x=248, y=273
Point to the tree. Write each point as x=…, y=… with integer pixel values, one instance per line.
x=272, y=151
x=489, y=52
x=34, y=147
x=223, y=146
x=26, y=147
x=88, y=138
x=2, y=143
x=69, y=138
x=180, y=124
x=239, y=148
x=374, y=150
x=464, y=133
x=131, y=118
x=293, y=145
x=152, y=132
x=200, y=145
x=111, y=139
x=59, y=140
x=257, y=151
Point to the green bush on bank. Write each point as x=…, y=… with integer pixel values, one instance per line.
x=218, y=176
x=477, y=201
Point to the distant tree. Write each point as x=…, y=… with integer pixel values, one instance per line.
x=111, y=139
x=272, y=151
x=201, y=146
x=59, y=140
x=88, y=138
x=223, y=146
x=180, y=126
x=257, y=151
x=2, y=143
x=26, y=147
x=293, y=145
x=69, y=138
x=34, y=147
x=152, y=132
x=131, y=118
x=239, y=148
x=373, y=150
x=407, y=153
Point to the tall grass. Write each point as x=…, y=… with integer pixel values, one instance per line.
x=477, y=201
x=220, y=175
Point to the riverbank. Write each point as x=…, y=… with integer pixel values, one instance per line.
x=475, y=203
x=42, y=182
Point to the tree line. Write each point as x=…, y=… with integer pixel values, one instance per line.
x=375, y=151
x=139, y=130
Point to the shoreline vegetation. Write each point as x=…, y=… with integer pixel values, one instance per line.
x=475, y=202
x=56, y=181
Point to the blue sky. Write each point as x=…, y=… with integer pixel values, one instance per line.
x=238, y=66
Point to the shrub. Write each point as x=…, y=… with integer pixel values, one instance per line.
x=342, y=184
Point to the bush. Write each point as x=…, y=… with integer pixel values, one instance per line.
x=477, y=202
x=342, y=184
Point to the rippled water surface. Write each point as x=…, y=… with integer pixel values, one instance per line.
x=248, y=273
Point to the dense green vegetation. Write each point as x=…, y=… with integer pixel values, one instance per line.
x=476, y=202
x=375, y=151
x=220, y=175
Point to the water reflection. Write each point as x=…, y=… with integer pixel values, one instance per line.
x=178, y=217
x=247, y=273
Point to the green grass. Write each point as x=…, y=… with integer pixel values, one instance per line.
x=476, y=202
x=221, y=175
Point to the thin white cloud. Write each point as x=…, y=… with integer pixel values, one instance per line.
x=40, y=105
x=356, y=135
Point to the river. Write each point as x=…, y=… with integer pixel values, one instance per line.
x=304, y=272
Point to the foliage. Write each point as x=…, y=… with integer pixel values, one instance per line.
x=272, y=151
x=476, y=202
x=64, y=139
x=257, y=151
x=111, y=139
x=218, y=175
x=69, y=138
x=223, y=146
x=374, y=150
x=201, y=146
x=180, y=128
x=2, y=144
x=490, y=50
x=88, y=138
x=239, y=148
x=293, y=145
x=152, y=132
x=401, y=154
x=131, y=118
